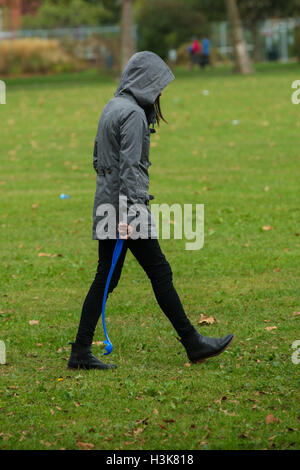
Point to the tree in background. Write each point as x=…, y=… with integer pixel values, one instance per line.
x=255, y=11
x=127, y=42
x=241, y=57
x=252, y=13
x=73, y=13
x=165, y=24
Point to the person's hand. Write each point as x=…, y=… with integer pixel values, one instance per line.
x=124, y=230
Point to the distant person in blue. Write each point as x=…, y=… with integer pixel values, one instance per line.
x=205, y=59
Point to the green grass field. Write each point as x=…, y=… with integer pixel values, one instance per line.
x=247, y=176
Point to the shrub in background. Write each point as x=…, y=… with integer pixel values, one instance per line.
x=34, y=55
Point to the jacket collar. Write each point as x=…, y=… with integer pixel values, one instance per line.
x=150, y=112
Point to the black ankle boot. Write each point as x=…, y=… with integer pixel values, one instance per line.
x=82, y=358
x=199, y=348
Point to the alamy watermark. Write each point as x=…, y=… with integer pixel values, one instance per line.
x=2, y=353
x=296, y=354
x=296, y=94
x=185, y=221
x=2, y=92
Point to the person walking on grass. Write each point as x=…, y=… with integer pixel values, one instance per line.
x=121, y=161
x=205, y=57
x=195, y=51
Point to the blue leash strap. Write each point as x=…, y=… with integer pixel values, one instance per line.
x=115, y=257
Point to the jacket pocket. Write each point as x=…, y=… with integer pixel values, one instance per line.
x=144, y=196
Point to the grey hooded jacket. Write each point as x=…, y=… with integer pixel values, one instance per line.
x=121, y=150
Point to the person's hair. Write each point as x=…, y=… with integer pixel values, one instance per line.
x=157, y=108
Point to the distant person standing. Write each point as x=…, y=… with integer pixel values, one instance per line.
x=205, y=59
x=195, y=50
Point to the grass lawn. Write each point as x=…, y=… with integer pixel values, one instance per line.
x=247, y=176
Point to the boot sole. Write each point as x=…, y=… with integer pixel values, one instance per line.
x=197, y=361
x=89, y=368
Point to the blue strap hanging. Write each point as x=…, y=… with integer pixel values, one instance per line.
x=115, y=257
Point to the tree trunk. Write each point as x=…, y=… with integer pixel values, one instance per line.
x=255, y=41
x=127, y=42
x=242, y=61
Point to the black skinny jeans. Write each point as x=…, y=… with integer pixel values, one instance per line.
x=149, y=255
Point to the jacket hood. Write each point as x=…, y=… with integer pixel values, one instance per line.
x=144, y=77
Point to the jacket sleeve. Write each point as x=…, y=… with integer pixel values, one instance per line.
x=95, y=155
x=132, y=131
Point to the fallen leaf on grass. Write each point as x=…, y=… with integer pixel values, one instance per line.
x=296, y=314
x=138, y=431
x=50, y=255
x=187, y=364
x=34, y=322
x=99, y=343
x=226, y=412
x=272, y=419
x=162, y=426
x=204, y=320
x=85, y=445
x=266, y=228
x=35, y=206
x=142, y=421
x=270, y=328
x=47, y=444
x=221, y=399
